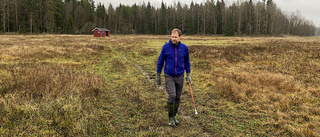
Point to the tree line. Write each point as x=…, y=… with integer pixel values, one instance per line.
x=211, y=17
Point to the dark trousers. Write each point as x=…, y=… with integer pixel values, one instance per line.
x=174, y=87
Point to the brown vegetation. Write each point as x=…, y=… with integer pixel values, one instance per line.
x=61, y=85
x=278, y=79
x=43, y=82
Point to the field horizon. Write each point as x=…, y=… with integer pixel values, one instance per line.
x=79, y=85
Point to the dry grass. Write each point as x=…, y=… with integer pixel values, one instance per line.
x=64, y=85
x=45, y=98
x=278, y=79
x=47, y=82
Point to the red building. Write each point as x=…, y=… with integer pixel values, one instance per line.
x=101, y=32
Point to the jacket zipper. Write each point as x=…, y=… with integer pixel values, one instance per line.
x=176, y=61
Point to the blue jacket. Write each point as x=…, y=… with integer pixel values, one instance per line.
x=176, y=58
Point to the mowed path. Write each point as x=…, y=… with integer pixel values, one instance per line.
x=162, y=89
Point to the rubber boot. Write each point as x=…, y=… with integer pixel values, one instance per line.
x=171, y=114
x=176, y=106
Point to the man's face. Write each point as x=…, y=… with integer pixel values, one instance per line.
x=175, y=38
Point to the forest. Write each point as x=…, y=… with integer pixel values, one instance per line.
x=212, y=17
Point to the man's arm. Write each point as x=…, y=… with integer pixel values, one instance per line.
x=161, y=60
x=160, y=65
x=187, y=61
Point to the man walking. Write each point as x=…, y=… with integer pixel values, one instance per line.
x=176, y=57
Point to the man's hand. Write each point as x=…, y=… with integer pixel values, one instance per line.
x=188, y=78
x=158, y=78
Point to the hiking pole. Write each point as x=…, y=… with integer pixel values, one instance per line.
x=193, y=99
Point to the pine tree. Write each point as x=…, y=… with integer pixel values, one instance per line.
x=69, y=25
x=219, y=17
x=111, y=18
x=149, y=19
x=163, y=20
x=230, y=27
x=23, y=27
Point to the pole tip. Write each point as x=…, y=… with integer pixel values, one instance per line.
x=196, y=111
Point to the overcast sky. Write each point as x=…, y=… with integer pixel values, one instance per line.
x=310, y=9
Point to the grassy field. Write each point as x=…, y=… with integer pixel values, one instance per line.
x=78, y=85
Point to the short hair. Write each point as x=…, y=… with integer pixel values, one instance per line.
x=177, y=30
